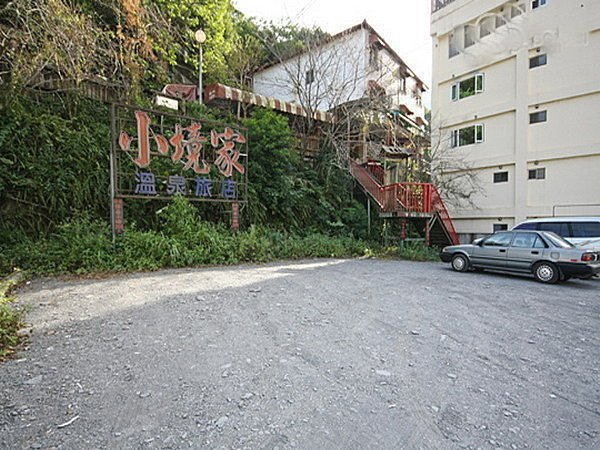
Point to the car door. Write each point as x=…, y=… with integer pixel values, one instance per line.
x=492, y=251
x=523, y=251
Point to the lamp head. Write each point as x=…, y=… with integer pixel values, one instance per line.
x=200, y=36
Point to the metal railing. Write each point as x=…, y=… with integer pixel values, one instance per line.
x=436, y=5
x=438, y=206
x=405, y=197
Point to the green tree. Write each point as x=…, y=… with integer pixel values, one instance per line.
x=215, y=17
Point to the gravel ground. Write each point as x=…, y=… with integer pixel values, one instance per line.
x=310, y=354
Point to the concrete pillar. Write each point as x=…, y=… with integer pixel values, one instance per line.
x=521, y=134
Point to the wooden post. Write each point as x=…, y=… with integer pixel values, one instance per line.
x=403, y=230
x=368, y=216
x=117, y=214
x=235, y=216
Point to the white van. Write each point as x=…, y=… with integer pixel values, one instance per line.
x=580, y=231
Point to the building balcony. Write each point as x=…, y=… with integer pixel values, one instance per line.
x=436, y=5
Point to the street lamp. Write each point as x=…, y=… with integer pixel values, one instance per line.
x=200, y=39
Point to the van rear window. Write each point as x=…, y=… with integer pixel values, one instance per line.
x=586, y=229
x=560, y=228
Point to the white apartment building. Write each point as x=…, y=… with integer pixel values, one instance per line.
x=516, y=95
x=342, y=69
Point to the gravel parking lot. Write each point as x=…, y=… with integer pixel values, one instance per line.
x=309, y=354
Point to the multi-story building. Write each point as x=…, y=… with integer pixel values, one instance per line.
x=516, y=96
x=373, y=94
x=343, y=68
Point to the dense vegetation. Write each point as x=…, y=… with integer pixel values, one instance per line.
x=54, y=159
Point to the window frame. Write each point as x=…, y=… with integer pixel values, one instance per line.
x=501, y=180
x=478, y=81
x=478, y=135
x=454, y=138
x=454, y=92
x=536, y=173
x=479, y=131
x=537, y=58
x=538, y=117
x=309, y=77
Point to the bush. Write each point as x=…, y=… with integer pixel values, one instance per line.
x=85, y=246
x=417, y=251
x=10, y=317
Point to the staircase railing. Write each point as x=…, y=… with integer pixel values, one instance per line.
x=438, y=206
x=407, y=197
x=368, y=183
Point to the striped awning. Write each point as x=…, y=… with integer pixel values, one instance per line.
x=217, y=91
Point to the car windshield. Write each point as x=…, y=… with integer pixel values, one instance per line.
x=557, y=241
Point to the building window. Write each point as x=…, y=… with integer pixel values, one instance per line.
x=486, y=27
x=537, y=174
x=537, y=3
x=501, y=227
x=538, y=116
x=500, y=177
x=402, y=83
x=467, y=136
x=374, y=58
x=468, y=87
x=310, y=76
x=470, y=33
x=452, y=46
x=539, y=60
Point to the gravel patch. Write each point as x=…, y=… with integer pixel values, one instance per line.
x=308, y=354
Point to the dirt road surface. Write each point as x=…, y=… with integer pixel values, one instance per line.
x=309, y=354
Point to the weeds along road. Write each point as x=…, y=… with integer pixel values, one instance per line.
x=309, y=354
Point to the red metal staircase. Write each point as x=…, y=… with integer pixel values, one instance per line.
x=419, y=202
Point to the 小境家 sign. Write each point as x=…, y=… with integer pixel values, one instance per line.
x=158, y=155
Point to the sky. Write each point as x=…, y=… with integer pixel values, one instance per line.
x=404, y=24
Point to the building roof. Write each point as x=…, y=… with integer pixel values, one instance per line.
x=363, y=25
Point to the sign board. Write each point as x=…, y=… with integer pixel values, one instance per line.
x=156, y=155
x=167, y=102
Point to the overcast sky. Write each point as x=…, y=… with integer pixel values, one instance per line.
x=404, y=24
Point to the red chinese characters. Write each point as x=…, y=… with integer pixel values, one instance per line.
x=188, y=146
x=193, y=146
x=228, y=155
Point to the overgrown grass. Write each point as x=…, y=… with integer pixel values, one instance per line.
x=182, y=240
x=11, y=318
x=85, y=246
x=417, y=251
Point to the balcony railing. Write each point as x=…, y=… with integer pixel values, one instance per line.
x=436, y=5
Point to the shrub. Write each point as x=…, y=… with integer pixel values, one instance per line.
x=10, y=317
x=417, y=251
x=84, y=245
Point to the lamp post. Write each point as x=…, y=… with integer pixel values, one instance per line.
x=200, y=39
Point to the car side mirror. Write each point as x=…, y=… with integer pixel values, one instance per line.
x=478, y=242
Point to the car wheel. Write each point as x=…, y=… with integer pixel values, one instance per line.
x=546, y=272
x=460, y=263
